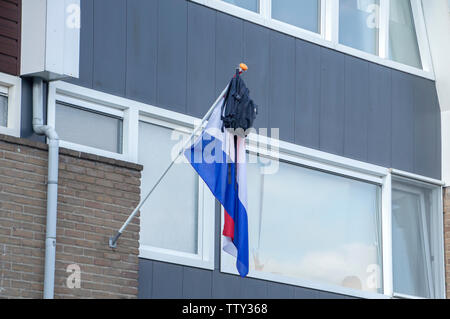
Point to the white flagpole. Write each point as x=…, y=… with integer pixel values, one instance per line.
x=113, y=239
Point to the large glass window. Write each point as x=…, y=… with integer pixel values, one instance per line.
x=251, y=5
x=86, y=127
x=170, y=218
x=359, y=24
x=3, y=110
x=414, y=238
x=403, y=45
x=315, y=226
x=304, y=14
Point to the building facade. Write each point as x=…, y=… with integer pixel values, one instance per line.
x=347, y=166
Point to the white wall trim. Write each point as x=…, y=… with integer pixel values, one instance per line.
x=329, y=33
x=12, y=86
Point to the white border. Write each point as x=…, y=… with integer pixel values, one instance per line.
x=12, y=86
x=206, y=222
x=329, y=33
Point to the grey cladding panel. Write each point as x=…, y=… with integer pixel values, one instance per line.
x=356, y=108
x=172, y=52
x=253, y=289
x=307, y=111
x=86, y=45
x=279, y=291
x=167, y=281
x=201, y=60
x=109, y=46
x=425, y=133
x=142, y=33
x=197, y=283
x=229, y=48
x=379, y=117
x=402, y=121
x=256, y=56
x=226, y=286
x=332, y=107
x=145, y=279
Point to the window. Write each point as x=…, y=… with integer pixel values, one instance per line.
x=10, y=105
x=415, y=240
x=168, y=223
x=174, y=224
x=3, y=109
x=403, y=45
x=251, y=5
x=358, y=24
x=304, y=14
x=87, y=127
x=330, y=227
x=386, y=32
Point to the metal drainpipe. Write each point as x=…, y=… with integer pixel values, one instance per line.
x=52, y=185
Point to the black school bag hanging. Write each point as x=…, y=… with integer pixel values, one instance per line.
x=239, y=111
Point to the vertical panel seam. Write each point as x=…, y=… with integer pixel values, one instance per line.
x=126, y=48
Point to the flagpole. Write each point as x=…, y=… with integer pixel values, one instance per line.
x=113, y=239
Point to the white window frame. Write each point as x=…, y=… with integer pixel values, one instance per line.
x=132, y=113
x=11, y=86
x=438, y=246
x=328, y=35
x=204, y=258
x=346, y=167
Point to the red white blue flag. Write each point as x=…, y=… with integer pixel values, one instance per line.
x=219, y=158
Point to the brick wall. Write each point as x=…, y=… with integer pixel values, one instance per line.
x=95, y=197
x=447, y=238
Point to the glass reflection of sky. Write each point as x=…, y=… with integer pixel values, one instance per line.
x=313, y=225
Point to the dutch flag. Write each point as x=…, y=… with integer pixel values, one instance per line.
x=219, y=158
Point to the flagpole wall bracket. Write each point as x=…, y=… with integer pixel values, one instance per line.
x=113, y=239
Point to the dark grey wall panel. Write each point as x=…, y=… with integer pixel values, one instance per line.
x=402, y=121
x=307, y=88
x=172, y=52
x=201, y=89
x=356, y=108
x=332, y=107
x=167, y=281
x=86, y=44
x=282, y=85
x=279, y=291
x=425, y=133
x=226, y=286
x=110, y=46
x=379, y=116
x=256, y=56
x=145, y=278
x=197, y=283
x=254, y=289
x=229, y=48
x=142, y=23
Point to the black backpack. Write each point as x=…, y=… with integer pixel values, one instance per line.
x=239, y=111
